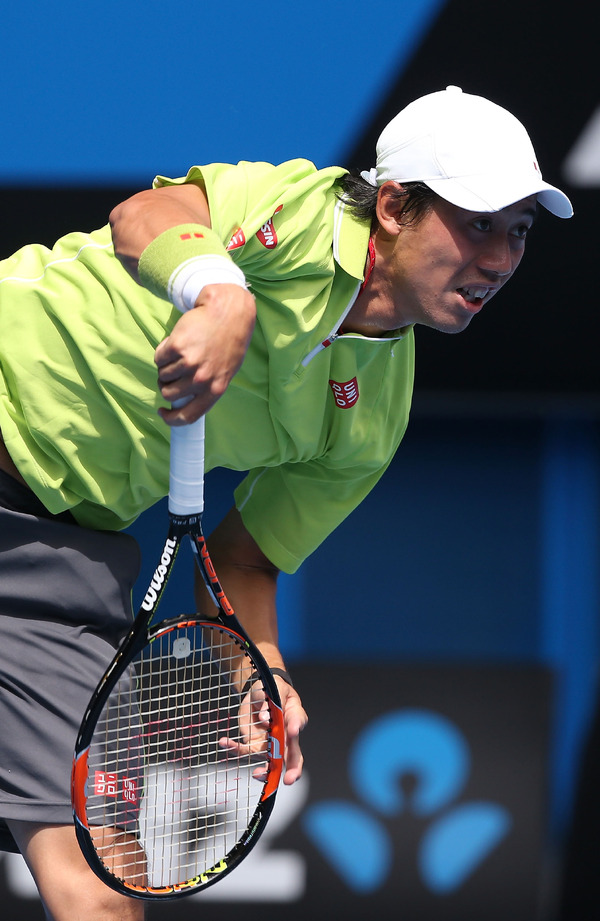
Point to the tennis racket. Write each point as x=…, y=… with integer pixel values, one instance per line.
x=173, y=780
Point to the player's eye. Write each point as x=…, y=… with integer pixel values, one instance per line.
x=522, y=230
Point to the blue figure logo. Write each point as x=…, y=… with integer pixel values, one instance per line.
x=427, y=746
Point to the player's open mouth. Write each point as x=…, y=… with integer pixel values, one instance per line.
x=474, y=295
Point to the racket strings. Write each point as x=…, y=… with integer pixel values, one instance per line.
x=172, y=765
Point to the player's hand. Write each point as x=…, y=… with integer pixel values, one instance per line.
x=254, y=713
x=204, y=351
x=294, y=720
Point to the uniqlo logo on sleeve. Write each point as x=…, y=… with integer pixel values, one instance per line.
x=105, y=784
x=346, y=393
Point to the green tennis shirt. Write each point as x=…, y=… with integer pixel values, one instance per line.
x=313, y=415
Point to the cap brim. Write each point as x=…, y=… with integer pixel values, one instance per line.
x=473, y=193
x=555, y=201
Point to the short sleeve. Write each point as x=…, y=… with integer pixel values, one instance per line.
x=290, y=510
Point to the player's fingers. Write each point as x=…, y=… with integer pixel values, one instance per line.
x=242, y=750
x=261, y=713
x=295, y=715
x=294, y=761
x=185, y=415
x=166, y=354
x=174, y=388
x=295, y=720
x=255, y=750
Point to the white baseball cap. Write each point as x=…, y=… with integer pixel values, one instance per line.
x=468, y=150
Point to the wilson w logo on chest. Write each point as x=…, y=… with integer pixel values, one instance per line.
x=160, y=574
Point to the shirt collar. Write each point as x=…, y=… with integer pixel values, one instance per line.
x=350, y=240
x=350, y=247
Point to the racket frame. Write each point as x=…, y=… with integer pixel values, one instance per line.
x=142, y=632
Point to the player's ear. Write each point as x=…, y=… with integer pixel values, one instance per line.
x=390, y=207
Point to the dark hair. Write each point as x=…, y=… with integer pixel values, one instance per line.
x=361, y=197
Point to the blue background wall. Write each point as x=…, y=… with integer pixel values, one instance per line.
x=115, y=92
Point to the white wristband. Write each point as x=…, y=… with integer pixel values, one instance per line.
x=189, y=278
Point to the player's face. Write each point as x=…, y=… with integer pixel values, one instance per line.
x=447, y=267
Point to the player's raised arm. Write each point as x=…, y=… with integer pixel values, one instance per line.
x=138, y=220
x=163, y=238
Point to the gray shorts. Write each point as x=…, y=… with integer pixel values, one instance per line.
x=65, y=603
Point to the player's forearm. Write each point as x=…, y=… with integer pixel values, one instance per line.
x=252, y=596
x=249, y=581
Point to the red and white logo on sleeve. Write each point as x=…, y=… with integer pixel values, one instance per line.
x=345, y=393
x=238, y=239
x=267, y=234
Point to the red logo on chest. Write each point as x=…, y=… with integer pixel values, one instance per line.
x=346, y=394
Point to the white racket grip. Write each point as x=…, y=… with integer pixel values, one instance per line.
x=186, y=474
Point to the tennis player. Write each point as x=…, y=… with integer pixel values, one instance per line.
x=300, y=289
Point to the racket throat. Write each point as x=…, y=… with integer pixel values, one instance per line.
x=209, y=575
